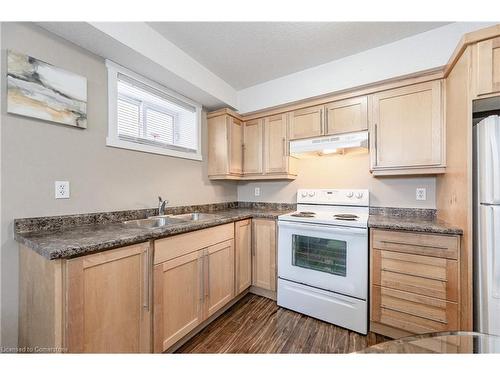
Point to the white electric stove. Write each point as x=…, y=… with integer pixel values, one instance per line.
x=323, y=257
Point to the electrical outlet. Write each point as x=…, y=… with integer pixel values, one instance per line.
x=62, y=189
x=421, y=194
x=257, y=191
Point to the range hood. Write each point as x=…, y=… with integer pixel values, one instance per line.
x=330, y=144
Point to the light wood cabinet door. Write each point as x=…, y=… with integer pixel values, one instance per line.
x=264, y=254
x=243, y=255
x=276, y=144
x=235, y=146
x=407, y=128
x=178, y=298
x=307, y=122
x=487, y=66
x=219, y=276
x=108, y=301
x=218, y=145
x=344, y=116
x=252, y=147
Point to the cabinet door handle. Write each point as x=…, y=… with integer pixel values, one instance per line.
x=321, y=121
x=207, y=287
x=376, y=144
x=145, y=298
x=326, y=121
x=201, y=273
x=284, y=147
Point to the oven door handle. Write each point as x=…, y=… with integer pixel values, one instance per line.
x=326, y=228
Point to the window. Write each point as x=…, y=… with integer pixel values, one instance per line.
x=144, y=116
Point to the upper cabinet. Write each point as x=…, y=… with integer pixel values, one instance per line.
x=235, y=128
x=225, y=146
x=252, y=147
x=276, y=159
x=306, y=122
x=407, y=130
x=405, y=123
x=487, y=67
x=345, y=116
x=253, y=150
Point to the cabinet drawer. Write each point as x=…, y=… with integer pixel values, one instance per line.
x=173, y=247
x=429, y=276
x=411, y=312
x=442, y=246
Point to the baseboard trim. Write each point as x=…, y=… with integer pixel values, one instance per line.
x=263, y=292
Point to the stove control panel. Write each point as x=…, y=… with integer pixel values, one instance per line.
x=346, y=197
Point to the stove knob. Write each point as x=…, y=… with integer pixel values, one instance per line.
x=350, y=194
x=359, y=195
x=312, y=194
x=303, y=194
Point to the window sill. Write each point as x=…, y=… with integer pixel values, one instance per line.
x=119, y=143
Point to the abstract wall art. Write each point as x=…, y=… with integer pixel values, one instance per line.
x=40, y=90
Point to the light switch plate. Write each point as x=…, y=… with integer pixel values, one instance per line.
x=257, y=191
x=421, y=194
x=62, y=189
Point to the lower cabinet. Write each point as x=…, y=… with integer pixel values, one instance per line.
x=178, y=296
x=193, y=279
x=414, y=283
x=243, y=255
x=108, y=304
x=264, y=254
x=219, y=279
x=129, y=300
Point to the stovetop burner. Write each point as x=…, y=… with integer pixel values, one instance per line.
x=304, y=214
x=347, y=217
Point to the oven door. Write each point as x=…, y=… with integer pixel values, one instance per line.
x=324, y=256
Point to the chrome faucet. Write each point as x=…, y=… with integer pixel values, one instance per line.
x=161, y=206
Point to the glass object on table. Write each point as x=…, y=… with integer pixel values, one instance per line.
x=457, y=342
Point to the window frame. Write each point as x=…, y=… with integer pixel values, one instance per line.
x=113, y=140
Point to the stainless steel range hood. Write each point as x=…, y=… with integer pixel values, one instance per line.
x=327, y=145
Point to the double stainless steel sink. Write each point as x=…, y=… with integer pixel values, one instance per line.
x=162, y=221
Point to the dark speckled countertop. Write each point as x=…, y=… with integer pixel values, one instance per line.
x=414, y=220
x=75, y=235
x=68, y=242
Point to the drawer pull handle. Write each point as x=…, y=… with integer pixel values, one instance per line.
x=413, y=314
x=411, y=244
x=383, y=269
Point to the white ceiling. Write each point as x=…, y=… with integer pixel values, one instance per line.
x=247, y=53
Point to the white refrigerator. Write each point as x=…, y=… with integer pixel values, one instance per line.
x=487, y=225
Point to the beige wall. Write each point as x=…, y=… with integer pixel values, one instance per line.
x=35, y=153
x=344, y=172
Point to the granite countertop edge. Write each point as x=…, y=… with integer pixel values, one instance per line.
x=40, y=241
x=70, y=242
x=413, y=224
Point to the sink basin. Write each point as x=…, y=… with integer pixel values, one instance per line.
x=195, y=216
x=153, y=222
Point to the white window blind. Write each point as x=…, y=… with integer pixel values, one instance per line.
x=145, y=116
x=148, y=116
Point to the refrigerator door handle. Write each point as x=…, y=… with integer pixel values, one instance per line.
x=495, y=252
x=495, y=167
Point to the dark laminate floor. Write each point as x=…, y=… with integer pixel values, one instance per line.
x=257, y=325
